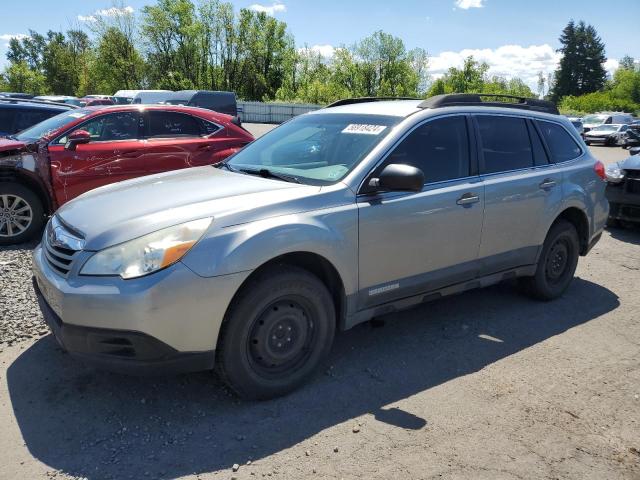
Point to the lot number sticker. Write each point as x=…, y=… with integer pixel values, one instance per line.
x=364, y=129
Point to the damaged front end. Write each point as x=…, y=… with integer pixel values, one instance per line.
x=28, y=163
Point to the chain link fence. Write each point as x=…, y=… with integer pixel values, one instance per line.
x=260, y=112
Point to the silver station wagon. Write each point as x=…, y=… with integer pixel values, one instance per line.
x=335, y=217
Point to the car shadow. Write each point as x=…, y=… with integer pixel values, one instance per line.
x=93, y=424
x=628, y=234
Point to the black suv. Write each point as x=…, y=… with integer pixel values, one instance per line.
x=18, y=114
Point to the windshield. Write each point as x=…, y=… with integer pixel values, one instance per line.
x=50, y=124
x=318, y=149
x=591, y=119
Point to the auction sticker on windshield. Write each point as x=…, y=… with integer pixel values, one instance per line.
x=363, y=128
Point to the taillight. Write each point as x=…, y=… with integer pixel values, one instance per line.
x=599, y=169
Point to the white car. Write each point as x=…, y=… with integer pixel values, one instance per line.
x=612, y=134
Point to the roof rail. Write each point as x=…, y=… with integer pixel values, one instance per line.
x=351, y=101
x=41, y=102
x=477, y=99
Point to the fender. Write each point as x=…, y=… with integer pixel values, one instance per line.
x=329, y=233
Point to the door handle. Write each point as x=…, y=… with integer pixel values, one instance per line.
x=547, y=184
x=130, y=153
x=468, y=199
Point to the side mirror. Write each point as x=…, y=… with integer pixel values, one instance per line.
x=634, y=151
x=77, y=137
x=398, y=177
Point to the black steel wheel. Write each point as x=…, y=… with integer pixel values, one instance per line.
x=277, y=331
x=557, y=263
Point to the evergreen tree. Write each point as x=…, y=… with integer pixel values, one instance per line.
x=581, y=67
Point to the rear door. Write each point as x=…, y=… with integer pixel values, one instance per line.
x=521, y=187
x=113, y=154
x=178, y=140
x=410, y=243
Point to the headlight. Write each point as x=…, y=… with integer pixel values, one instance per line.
x=614, y=173
x=147, y=254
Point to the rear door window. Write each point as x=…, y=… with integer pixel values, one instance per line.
x=440, y=148
x=540, y=157
x=28, y=118
x=505, y=144
x=561, y=145
x=172, y=124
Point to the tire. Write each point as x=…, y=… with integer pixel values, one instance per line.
x=21, y=214
x=276, y=333
x=557, y=263
x=587, y=142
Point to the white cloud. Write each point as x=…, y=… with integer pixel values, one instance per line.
x=106, y=12
x=467, y=4
x=506, y=61
x=326, y=51
x=274, y=8
x=6, y=37
x=611, y=65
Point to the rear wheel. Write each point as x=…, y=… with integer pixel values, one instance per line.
x=557, y=263
x=21, y=213
x=276, y=333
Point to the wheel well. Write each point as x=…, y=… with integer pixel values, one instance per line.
x=315, y=264
x=579, y=220
x=17, y=177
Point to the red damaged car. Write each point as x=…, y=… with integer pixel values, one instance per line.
x=54, y=161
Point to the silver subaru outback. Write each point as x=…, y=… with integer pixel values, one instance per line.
x=333, y=218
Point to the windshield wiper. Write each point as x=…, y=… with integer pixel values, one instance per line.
x=266, y=173
x=225, y=165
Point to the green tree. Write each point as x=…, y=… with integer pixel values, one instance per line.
x=18, y=77
x=581, y=67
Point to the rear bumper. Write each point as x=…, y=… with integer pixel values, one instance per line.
x=122, y=351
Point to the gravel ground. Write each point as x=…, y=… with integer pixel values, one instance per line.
x=488, y=384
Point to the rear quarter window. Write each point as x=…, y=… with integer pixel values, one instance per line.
x=561, y=144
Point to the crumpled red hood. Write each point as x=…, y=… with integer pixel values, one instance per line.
x=8, y=144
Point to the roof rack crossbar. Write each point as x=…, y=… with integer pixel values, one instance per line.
x=351, y=101
x=477, y=99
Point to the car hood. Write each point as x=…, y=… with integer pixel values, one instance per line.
x=631, y=163
x=8, y=145
x=596, y=133
x=122, y=211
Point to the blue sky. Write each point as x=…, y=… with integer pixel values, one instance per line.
x=515, y=37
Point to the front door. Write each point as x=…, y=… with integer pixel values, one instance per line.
x=112, y=155
x=412, y=243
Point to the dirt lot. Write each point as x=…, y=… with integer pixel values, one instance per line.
x=488, y=384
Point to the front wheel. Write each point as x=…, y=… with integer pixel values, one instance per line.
x=21, y=214
x=557, y=263
x=277, y=331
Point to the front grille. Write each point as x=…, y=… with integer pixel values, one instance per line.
x=632, y=182
x=630, y=211
x=60, y=246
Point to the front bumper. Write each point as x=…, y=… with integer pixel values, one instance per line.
x=166, y=322
x=598, y=139
x=623, y=205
